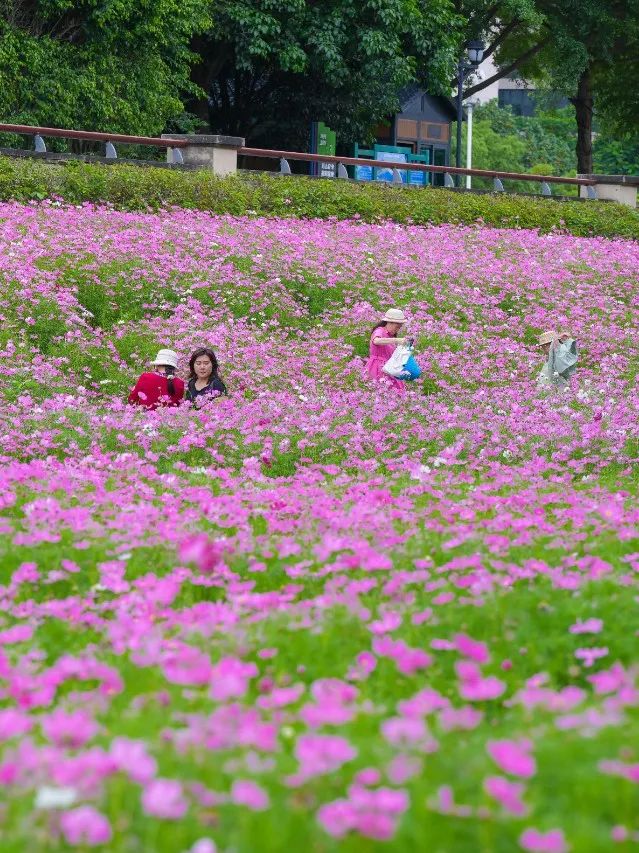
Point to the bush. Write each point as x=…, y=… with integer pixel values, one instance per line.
x=139, y=188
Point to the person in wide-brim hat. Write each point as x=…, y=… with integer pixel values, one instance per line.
x=394, y=316
x=546, y=339
x=161, y=387
x=384, y=340
x=547, y=377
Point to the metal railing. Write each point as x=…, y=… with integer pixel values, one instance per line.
x=341, y=172
x=94, y=136
x=397, y=168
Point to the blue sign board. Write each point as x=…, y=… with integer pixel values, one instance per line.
x=363, y=173
x=389, y=157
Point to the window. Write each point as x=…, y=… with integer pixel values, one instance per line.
x=406, y=128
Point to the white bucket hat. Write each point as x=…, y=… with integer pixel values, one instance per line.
x=394, y=315
x=167, y=357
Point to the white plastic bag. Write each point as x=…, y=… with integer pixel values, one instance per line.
x=563, y=358
x=395, y=364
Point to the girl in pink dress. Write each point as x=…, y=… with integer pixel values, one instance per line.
x=384, y=340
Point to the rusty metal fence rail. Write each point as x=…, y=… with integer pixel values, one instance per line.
x=178, y=148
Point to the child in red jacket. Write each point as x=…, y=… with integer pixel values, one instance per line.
x=162, y=387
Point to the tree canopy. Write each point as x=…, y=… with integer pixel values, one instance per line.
x=584, y=49
x=264, y=69
x=118, y=66
x=270, y=67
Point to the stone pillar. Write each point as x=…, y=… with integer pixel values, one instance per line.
x=217, y=153
x=619, y=188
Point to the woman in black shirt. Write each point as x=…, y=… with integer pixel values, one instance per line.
x=204, y=380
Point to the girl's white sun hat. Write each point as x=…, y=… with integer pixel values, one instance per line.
x=394, y=315
x=167, y=357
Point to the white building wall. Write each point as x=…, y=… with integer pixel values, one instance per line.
x=487, y=69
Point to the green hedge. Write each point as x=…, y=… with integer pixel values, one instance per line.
x=139, y=188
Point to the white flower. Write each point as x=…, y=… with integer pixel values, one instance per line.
x=48, y=797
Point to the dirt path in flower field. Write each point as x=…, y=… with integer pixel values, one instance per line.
x=315, y=615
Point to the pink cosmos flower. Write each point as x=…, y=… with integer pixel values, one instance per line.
x=164, y=798
x=402, y=768
x=513, y=757
x=590, y=626
x=199, y=549
x=85, y=826
x=465, y=718
x=368, y=776
x=247, y=793
x=371, y=813
x=476, y=687
x=204, y=845
x=230, y=678
x=364, y=665
x=14, y=723
x=405, y=730
x=590, y=655
x=619, y=768
x=619, y=833
x=609, y=681
x=320, y=754
x=73, y=728
x=472, y=649
x=408, y=660
x=540, y=842
x=507, y=793
x=132, y=758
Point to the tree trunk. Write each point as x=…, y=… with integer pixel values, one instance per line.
x=203, y=73
x=583, y=103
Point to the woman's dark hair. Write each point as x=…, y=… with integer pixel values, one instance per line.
x=198, y=354
x=381, y=325
x=169, y=372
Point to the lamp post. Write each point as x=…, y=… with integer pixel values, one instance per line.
x=473, y=58
x=470, y=106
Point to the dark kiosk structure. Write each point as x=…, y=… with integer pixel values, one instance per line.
x=421, y=131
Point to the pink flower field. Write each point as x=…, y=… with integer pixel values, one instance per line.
x=316, y=615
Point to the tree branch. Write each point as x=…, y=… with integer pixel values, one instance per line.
x=502, y=36
x=504, y=72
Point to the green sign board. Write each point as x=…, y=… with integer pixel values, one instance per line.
x=323, y=141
